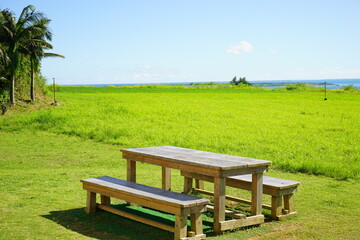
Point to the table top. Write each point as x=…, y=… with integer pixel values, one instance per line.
x=192, y=157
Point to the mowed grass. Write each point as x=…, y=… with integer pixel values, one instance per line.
x=42, y=197
x=297, y=131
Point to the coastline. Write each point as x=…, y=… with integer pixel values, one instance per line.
x=331, y=83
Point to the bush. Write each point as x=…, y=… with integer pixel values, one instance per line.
x=4, y=103
x=240, y=81
x=350, y=88
x=296, y=86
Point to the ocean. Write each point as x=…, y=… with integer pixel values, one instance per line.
x=330, y=83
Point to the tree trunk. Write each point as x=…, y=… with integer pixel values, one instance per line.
x=32, y=83
x=12, y=90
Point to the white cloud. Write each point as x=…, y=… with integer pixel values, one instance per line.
x=242, y=48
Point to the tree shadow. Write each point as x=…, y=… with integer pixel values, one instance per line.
x=105, y=226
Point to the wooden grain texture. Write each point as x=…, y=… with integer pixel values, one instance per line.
x=269, y=182
x=180, y=205
x=90, y=202
x=196, y=223
x=289, y=202
x=219, y=203
x=230, y=198
x=276, y=206
x=137, y=218
x=146, y=192
x=216, y=166
x=256, y=193
x=105, y=200
x=228, y=213
x=131, y=171
x=236, y=223
x=276, y=187
x=196, y=157
x=166, y=178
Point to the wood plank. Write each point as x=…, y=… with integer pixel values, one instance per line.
x=219, y=203
x=270, y=182
x=256, y=193
x=90, y=202
x=236, y=223
x=228, y=213
x=166, y=178
x=231, y=198
x=145, y=192
x=105, y=200
x=196, y=223
x=137, y=218
x=187, y=185
x=276, y=203
x=289, y=202
x=199, y=184
x=131, y=171
x=180, y=226
x=196, y=157
x=173, y=165
x=146, y=202
x=244, y=182
x=282, y=217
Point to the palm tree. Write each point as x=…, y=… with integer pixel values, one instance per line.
x=35, y=49
x=16, y=36
x=36, y=53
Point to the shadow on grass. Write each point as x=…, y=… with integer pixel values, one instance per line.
x=106, y=226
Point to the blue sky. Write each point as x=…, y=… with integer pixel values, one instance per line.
x=133, y=41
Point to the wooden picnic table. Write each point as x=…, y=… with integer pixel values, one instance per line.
x=218, y=166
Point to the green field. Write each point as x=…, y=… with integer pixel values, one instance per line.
x=44, y=154
x=297, y=131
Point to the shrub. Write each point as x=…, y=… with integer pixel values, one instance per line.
x=350, y=88
x=296, y=86
x=4, y=103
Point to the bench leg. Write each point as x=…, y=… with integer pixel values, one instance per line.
x=199, y=184
x=105, y=200
x=180, y=227
x=187, y=185
x=289, y=203
x=90, y=202
x=276, y=206
x=196, y=223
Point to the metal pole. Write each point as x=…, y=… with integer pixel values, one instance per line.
x=54, y=90
x=325, y=91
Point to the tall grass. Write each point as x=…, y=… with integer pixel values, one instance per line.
x=297, y=131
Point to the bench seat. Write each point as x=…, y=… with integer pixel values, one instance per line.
x=279, y=189
x=180, y=205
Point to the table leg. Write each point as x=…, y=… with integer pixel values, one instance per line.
x=187, y=185
x=131, y=170
x=130, y=173
x=166, y=178
x=219, y=203
x=256, y=193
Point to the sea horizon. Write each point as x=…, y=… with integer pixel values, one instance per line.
x=331, y=83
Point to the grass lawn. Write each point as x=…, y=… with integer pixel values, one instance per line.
x=44, y=154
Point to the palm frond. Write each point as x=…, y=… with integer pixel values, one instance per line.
x=47, y=54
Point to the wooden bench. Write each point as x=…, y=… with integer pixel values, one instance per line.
x=279, y=189
x=180, y=205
